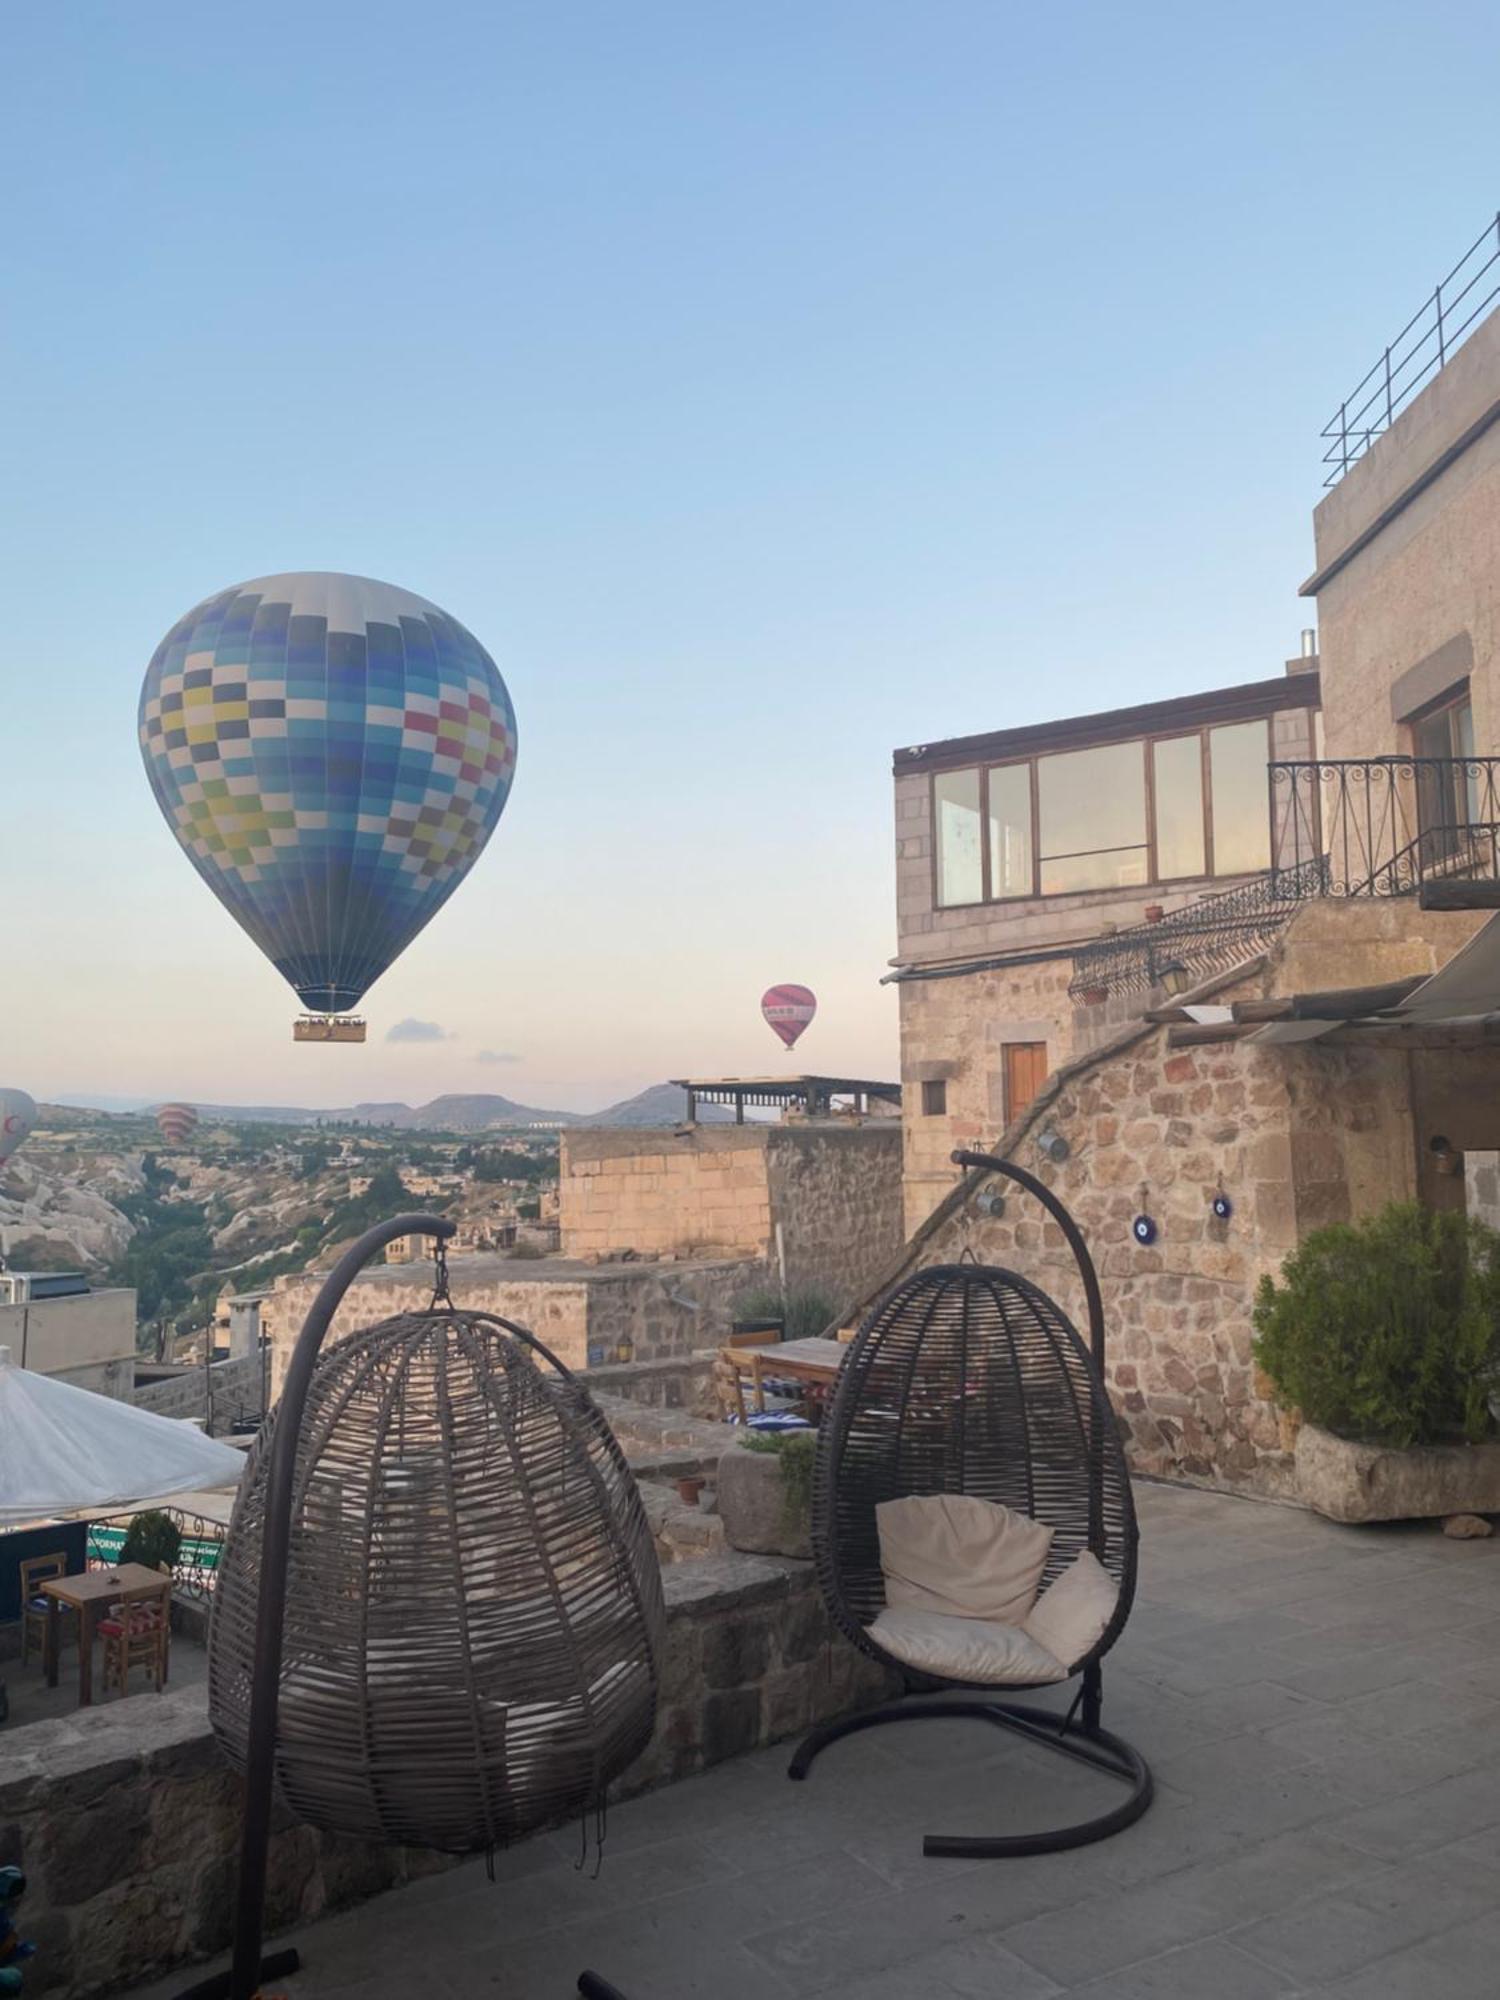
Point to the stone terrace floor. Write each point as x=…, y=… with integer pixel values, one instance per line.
x=1322, y=1709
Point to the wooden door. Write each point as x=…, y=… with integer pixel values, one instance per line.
x=1025, y=1072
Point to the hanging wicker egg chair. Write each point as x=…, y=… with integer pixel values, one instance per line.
x=473, y=1609
x=968, y=1383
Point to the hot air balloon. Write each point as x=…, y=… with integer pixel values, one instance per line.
x=17, y=1120
x=176, y=1123
x=788, y=1010
x=332, y=753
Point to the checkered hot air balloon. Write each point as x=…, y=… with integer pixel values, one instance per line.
x=332, y=753
x=788, y=1010
x=17, y=1120
x=176, y=1123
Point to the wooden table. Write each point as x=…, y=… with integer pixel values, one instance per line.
x=90, y=1594
x=815, y=1362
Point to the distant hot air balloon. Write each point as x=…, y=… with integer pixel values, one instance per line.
x=788, y=1010
x=332, y=753
x=17, y=1120
x=176, y=1123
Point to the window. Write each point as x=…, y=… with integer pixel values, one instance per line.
x=934, y=1100
x=1237, y=759
x=1091, y=809
x=955, y=799
x=1010, y=829
x=1121, y=815
x=1447, y=799
x=1025, y=1073
x=1177, y=790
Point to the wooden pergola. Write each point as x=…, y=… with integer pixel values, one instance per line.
x=812, y=1095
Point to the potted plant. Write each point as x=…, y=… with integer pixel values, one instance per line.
x=1385, y=1334
x=152, y=1539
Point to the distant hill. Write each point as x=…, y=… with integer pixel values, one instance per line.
x=662, y=1104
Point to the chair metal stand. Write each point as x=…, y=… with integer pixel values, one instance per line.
x=1086, y=1742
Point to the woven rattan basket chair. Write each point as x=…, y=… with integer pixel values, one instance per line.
x=966, y=1380
x=439, y=1617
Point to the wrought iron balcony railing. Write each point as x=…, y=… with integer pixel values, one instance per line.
x=1194, y=943
x=1382, y=826
x=1373, y=826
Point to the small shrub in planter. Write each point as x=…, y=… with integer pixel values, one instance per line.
x=1385, y=1330
x=804, y=1310
x=153, y=1538
x=796, y=1450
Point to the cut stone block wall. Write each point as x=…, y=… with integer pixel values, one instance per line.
x=126, y=1819
x=665, y=1311
x=832, y=1190
x=236, y=1385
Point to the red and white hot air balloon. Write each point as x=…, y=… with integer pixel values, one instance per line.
x=176, y=1123
x=17, y=1119
x=788, y=1010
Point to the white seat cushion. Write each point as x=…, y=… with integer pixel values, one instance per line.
x=966, y=1649
x=958, y=1557
x=1070, y=1615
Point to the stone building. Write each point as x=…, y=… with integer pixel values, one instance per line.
x=1187, y=944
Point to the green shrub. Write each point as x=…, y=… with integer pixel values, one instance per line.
x=796, y=1450
x=153, y=1538
x=1382, y=1330
x=807, y=1309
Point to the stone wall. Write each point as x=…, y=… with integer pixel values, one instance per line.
x=665, y=1311
x=236, y=1387
x=831, y=1189
x=836, y=1197
x=126, y=1819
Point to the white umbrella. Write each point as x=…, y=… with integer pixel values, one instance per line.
x=65, y=1450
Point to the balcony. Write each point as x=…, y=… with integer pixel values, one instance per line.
x=1377, y=826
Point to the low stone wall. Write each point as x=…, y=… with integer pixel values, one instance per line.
x=236, y=1386
x=126, y=1818
x=685, y=1384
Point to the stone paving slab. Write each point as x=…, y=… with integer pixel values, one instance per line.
x=1327, y=1825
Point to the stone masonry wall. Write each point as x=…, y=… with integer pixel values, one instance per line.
x=126, y=1818
x=704, y=1193
x=236, y=1385
x=665, y=1311
x=836, y=1196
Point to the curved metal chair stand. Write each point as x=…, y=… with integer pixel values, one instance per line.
x=969, y=1380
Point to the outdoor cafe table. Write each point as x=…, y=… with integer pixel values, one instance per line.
x=815, y=1362
x=90, y=1594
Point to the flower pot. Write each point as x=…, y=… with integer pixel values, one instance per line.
x=1154, y=913
x=688, y=1491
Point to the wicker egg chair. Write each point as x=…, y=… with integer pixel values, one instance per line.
x=967, y=1380
x=439, y=1615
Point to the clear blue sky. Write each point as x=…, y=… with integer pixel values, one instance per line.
x=766, y=385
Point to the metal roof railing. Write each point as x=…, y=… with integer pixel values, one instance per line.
x=1421, y=349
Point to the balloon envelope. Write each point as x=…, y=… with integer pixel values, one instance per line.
x=176, y=1122
x=17, y=1120
x=787, y=1010
x=332, y=753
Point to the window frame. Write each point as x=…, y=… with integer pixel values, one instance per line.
x=1154, y=878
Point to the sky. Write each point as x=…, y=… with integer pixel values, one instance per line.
x=765, y=386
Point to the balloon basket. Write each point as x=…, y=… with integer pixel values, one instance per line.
x=328, y=1028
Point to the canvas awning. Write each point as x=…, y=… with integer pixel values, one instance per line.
x=65, y=1450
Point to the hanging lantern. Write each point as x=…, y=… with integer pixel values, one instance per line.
x=473, y=1611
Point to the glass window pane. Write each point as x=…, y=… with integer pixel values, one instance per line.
x=1178, y=775
x=1091, y=805
x=955, y=801
x=1111, y=868
x=1237, y=759
x=1010, y=830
